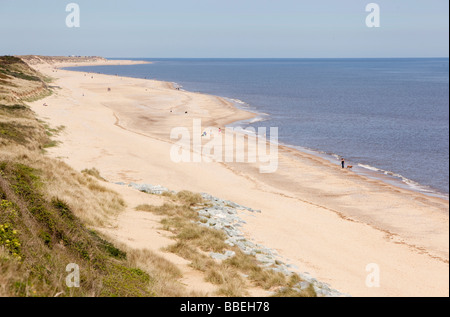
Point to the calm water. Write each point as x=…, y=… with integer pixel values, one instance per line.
x=386, y=116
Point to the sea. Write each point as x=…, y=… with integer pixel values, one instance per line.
x=387, y=117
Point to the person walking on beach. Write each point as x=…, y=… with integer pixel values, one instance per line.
x=342, y=162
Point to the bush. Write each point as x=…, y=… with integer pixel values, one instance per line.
x=9, y=239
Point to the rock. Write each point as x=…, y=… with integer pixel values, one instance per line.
x=292, y=266
x=150, y=189
x=303, y=285
x=224, y=256
x=265, y=259
x=282, y=269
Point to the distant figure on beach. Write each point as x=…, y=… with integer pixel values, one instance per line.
x=342, y=162
x=109, y=89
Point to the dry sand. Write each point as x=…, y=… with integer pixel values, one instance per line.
x=326, y=221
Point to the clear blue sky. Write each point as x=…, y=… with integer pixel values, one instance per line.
x=226, y=28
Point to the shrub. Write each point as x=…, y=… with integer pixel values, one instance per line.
x=9, y=239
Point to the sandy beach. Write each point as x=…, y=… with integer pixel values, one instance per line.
x=329, y=222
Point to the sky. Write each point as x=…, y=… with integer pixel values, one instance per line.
x=226, y=28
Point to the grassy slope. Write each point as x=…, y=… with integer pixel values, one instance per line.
x=45, y=206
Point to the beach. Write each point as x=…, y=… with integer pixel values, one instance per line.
x=324, y=220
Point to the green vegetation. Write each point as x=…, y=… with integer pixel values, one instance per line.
x=53, y=237
x=15, y=132
x=18, y=126
x=11, y=66
x=51, y=143
x=19, y=82
x=9, y=239
x=13, y=108
x=19, y=75
x=52, y=131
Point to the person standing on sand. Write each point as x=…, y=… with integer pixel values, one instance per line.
x=342, y=162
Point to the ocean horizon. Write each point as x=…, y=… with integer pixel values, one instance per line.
x=388, y=117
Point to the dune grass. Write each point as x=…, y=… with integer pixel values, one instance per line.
x=94, y=173
x=41, y=236
x=194, y=242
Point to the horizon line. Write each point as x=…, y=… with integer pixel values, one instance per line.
x=397, y=57
x=173, y=57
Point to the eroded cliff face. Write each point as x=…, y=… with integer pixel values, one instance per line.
x=51, y=60
x=19, y=82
